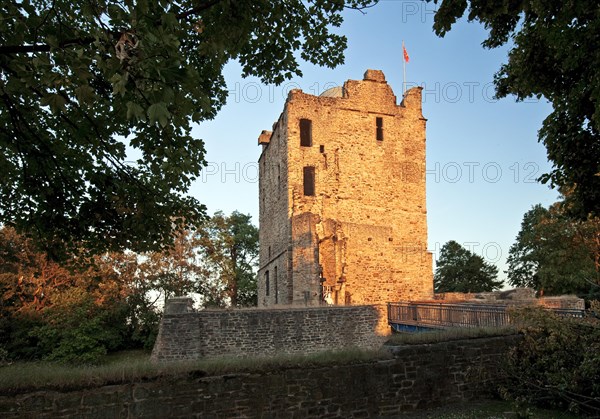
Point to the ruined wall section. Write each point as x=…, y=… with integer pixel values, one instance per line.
x=262, y=332
x=275, y=228
x=369, y=204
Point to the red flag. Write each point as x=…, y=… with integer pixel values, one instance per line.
x=406, y=57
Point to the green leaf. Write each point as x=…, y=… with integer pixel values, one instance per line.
x=52, y=41
x=135, y=111
x=79, y=192
x=56, y=102
x=553, y=54
x=159, y=113
x=169, y=20
x=119, y=82
x=84, y=94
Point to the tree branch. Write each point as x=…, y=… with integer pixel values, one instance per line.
x=24, y=49
x=197, y=9
x=362, y=8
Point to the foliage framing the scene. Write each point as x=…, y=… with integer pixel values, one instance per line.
x=553, y=54
x=84, y=83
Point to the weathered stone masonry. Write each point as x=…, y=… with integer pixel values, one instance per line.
x=418, y=377
x=252, y=332
x=342, y=198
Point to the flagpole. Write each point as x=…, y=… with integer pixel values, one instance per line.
x=403, y=70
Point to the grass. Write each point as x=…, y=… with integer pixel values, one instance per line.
x=445, y=335
x=135, y=366
x=25, y=376
x=131, y=366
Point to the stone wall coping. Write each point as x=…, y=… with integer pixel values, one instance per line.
x=279, y=308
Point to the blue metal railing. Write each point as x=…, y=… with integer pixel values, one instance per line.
x=456, y=315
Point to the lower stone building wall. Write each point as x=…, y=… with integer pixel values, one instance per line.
x=566, y=302
x=416, y=377
x=211, y=333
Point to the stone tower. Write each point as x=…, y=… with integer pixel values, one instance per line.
x=342, y=198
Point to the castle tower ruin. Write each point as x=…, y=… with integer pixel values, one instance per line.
x=343, y=217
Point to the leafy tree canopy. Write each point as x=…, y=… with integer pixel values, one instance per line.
x=217, y=262
x=554, y=53
x=229, y=246
x=556, y=363
x=175, y=271
x=460, y=270
x=59, y=312
x=71, y=312
x=554, y=253
x=81, y=81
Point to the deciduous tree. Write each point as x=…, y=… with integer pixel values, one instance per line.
x=460, y=270
x=82, y=82
x=553, y=55
x=67, y=311
x=175, y=271
x=229, y=245
x=554, y=253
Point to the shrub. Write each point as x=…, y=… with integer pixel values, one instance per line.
x=76, y=330
x=556, y=363
x=142, y=321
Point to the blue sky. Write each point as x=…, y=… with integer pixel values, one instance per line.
x=482, y=154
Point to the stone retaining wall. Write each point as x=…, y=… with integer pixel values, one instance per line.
x=209, y=333
x=417, y=377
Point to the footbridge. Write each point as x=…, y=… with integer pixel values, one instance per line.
x=425, y=316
